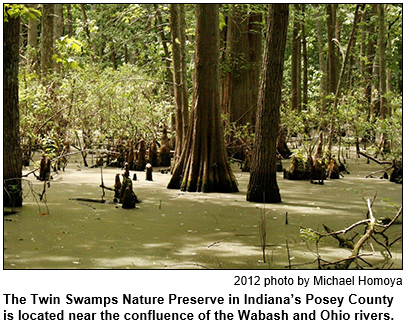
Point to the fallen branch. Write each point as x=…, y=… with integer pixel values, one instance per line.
x=369, y=232
x=72, y=153
x=377, y=172
x=344, y=242
x=90, y=200
x=374, y=159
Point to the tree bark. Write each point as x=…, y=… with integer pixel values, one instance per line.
x=88, y=37
x=305, y=60
x=203, y=163
x=177, y=76
x=242, y=61
x=369, y=67
x=263, y=186
x=332, y=61
x=69, y=19
x=382, y=61
x=322, y=63
x=255, y=45
x=58, y=22
x=296, y=63
x=183, y=69
x=33, y=42
x=351, y=41
x=12, y=159
x=168, y=68
x=47, y=39
x=178, y=34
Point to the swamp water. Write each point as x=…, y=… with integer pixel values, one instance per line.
x=177, y=230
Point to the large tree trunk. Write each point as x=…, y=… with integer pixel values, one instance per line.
x=47, y=39
x=203, y=163
x=242, y=59
x=263, y=186
x=12, y=160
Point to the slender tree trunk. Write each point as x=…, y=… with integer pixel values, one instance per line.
x=305, y=61
x=369, y=67
x=168, y=65
x=32, y=42
x=184, y=85
x=164, y=40
x=351, y=42
x=322, y=63
x=400, y=67
x=263, y=186
x=375, y=100
x=177, y=76
x=12, y=159
x=58, y=28
x=95, y=8
x=382, y=61
x=203, y=163
x=47, y=39
x=255, y=45
x=32, y=30
x=58, y=22
x=363, y=45
x=69, y=19
x=332, y=61
x=384, y=112
x=296, y=71
x=88, y=37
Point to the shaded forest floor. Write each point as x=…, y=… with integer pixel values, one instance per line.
x=176, y=230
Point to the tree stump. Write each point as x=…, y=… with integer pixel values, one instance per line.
x=148, y=175
x=45, y=168
x=153, y=154
x=117, y=188
x=333, y=171
x=141, y=161
x=164, y=153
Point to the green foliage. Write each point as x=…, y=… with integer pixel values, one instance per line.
x=68, y=49
x=103, y=104
x=16, y=10
x=309, y=235
x=86, y=94
x=239, y=138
